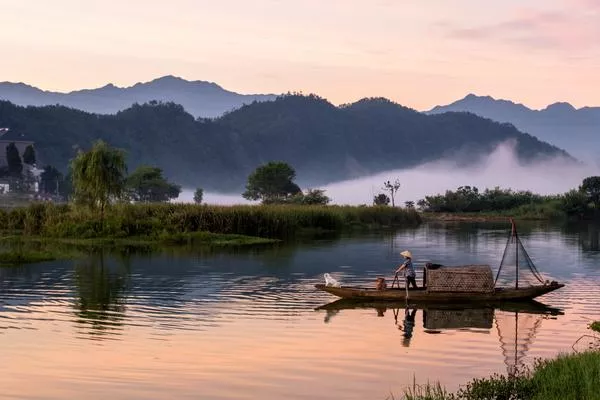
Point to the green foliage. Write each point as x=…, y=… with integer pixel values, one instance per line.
x=311, y=197
x=566, y=377
x=575, y=202
x=409, y=204
x=13, y=159
x=29, y=155
x=159, y=219
x=198, y=195
x=381, y=200
x=501, y=387
x=147, y=185
x=98, y=175
x=272, y=183
x=24, y=257
x=591, y=187
x=469, y=199
x=595, y=326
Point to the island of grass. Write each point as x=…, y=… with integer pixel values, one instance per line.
x=167, y=224
x=595, y=326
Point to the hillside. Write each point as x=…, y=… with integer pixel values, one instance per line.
x=199, y=98
x=575, y=130
x=323, y=142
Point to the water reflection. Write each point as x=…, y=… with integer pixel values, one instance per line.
x=516, y=323
x=101, y=289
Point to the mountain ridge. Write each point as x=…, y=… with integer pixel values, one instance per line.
x=324, y=142
x=200, y=98
x=576, y=130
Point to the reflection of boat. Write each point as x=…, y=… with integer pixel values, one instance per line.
x=530, y=307
x=473, y=283
x=516, y=323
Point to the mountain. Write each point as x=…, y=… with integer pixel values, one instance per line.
x=201, y=99
x=324, y=143
x=575, y=130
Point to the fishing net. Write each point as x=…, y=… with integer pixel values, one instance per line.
x=516, y=332
x=516, y=268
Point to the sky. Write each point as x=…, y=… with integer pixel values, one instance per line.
x=418, y=53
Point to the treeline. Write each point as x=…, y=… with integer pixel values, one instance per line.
x=581, y=202
x=323, y=142
x=470, y=199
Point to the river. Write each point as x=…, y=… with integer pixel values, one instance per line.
x=244, y=324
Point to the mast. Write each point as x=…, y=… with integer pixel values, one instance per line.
x=516, y=237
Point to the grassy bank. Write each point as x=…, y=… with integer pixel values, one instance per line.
x=531, y=212
x=170, y=221
x=573, y=376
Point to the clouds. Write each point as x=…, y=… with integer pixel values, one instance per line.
x=570, y=27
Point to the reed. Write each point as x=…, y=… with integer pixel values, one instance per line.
x=162, y=220
x=573, y=376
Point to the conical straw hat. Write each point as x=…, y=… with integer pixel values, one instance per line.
x=406, y=253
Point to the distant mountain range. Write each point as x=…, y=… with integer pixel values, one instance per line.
x=200, y=98
x=324, y=143
x=575, y=130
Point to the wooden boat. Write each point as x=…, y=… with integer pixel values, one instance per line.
x=424, y=295
x=466, y=284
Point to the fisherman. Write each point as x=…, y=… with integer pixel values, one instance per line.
x=410, y=270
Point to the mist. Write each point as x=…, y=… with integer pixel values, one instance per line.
x=500, y=168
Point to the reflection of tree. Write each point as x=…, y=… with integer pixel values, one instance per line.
x=101, y=293
x=588, y=235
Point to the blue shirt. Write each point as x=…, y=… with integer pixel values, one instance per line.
x=410, y=270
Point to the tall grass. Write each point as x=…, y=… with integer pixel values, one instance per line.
x=154, y=220
x=575, y=376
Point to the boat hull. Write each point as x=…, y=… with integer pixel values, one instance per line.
x=422, y=295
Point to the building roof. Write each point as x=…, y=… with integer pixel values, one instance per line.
x=11, y=135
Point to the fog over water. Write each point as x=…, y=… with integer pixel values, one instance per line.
x=501, y=168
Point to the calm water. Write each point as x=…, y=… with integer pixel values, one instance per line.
x=244, y=325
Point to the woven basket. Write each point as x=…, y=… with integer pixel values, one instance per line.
x=466, y=278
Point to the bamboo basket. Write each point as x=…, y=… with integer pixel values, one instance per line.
x=465, y=278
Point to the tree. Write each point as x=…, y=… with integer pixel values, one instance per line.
x=591, y=187
x=29, y=155
x=311, y=197
x=13, y=159
x=392, y=187
x=381, y=200
x=198, y=195
x=98, y=176
x=272, y=183
x=409, y=204
x=147, y=184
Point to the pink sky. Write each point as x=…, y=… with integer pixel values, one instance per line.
x=414, y=52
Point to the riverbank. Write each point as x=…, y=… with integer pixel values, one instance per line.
x=573, y=376
x=525, y=213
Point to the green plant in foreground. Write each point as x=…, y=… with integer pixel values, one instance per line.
x=574, y=376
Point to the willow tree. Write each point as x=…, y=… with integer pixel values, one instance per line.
x=98, y=176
